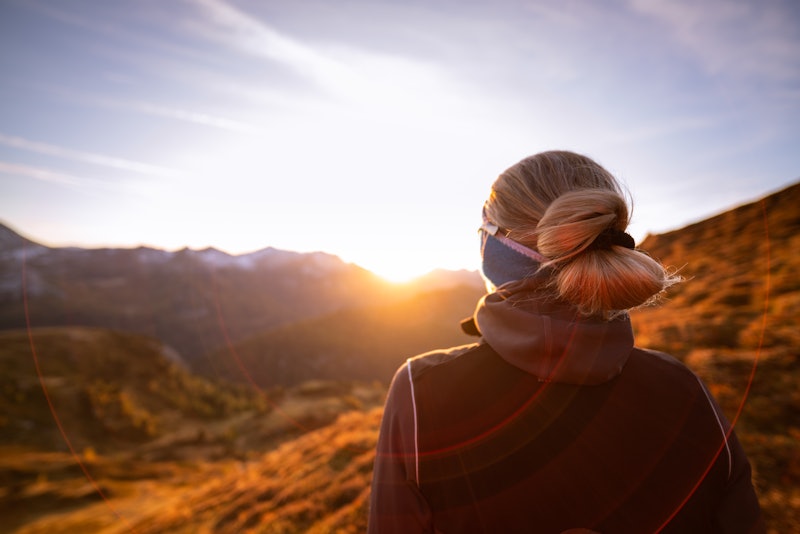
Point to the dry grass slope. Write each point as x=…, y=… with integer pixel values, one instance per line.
x=318, y=483
x=303, y=462
x=742, y=289
x=109, y=389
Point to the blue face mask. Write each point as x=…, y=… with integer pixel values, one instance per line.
x=503, y=259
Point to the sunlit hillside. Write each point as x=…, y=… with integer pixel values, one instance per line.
x=108, y=390
x=742, y=283
x=318, y=483
x=102, y=431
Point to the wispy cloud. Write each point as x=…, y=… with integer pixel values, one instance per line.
x=88, y=157
x=169, y=55
x=185, y=115
x=356, y=75
x=248, y=34
x=43, y=175
x=193, y=116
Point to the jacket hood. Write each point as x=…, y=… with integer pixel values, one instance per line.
x=548, y=338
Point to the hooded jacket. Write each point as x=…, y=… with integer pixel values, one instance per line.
x=554, y=422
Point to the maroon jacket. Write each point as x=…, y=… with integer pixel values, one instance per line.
x=555, y=422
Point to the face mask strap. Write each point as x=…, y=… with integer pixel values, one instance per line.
x=500, y=234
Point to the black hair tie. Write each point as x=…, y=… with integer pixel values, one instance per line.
x=613, y=237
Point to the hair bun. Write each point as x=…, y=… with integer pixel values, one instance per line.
x=576, y=220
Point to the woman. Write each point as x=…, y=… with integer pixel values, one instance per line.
x=554, y=422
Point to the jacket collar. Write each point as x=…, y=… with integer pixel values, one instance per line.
x=548, y=338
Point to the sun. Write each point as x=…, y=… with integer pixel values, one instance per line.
x=401, y=255
x=396, y=272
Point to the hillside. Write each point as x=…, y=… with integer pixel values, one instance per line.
x=109, y=390
x=741, y=270
x=298, y=458
x=366, y=343
x=106, y=427
x=317, y=483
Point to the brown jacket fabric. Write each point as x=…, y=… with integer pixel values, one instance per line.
x=555, y=422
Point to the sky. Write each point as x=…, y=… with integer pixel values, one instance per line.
x=373, y=129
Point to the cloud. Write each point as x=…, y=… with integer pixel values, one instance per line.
x=194, y=117
x=353, y=75
x=88, y=157
x=40, y=174
x=153, y=109
x=246, y=33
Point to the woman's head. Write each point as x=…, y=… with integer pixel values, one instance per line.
x=574, y=212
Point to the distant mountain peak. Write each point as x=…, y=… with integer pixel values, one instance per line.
x=15, y=245
x=9, y=238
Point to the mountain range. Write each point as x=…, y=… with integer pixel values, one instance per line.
x=195, y=301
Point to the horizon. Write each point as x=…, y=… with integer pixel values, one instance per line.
x=396, y=280
x=373, y=130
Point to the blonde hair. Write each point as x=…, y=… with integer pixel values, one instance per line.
x=558, y=203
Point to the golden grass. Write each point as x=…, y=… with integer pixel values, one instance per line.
x=318, y=482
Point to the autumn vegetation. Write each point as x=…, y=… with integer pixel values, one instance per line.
x=107, y=430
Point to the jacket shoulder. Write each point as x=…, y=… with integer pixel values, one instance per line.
x=661, y=361
x=655, y=369
x=424, y=362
